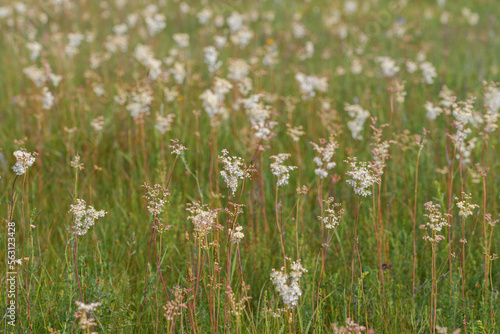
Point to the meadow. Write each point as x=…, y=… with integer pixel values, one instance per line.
x=249, y=166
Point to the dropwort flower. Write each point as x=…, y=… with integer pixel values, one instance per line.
x=279, y=170
x=24, y=161
x=464, y=205
x=363, y=177
x=84, y=217
x=288, y=285
x=156, y=197
x=234, y=170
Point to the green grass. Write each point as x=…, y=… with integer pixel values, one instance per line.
x=112, y=256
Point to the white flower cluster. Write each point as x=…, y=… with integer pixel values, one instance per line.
x=466, y=207
x=155, y=23
x=48, y=99
x=234, y=170
x=388, y=65
x=238, y=69
x=156, y=197
x=279, y=170
x=333, y=214
x=213, y=99
x=164, y=123
x=428, y=71
x=203, y=219
x=181, y=39
x=236, y=235
x=309, y=84
x=492, y=103
x=211, y=54
x=38, y=76
x=84, y=217
x=87, y=308
x=288, y=285
x=359, y=116
x=139, y=102
x=324, y=158
x=145, y=56
x=363, y=177
x=24, y=160
x=464, y=113
x=433, y=111
x=436, y=219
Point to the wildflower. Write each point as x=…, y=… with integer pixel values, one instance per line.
x=359, y=116
x=164, y=123
x=182, y=40
x=333, y=214
x=238, y=69
x=176, y=305
x=295, y=132
x=24, y=160
x=363, y=177
x=203, y=219
x=156, y=197
x=324, y=157
x=428, y=71
x=464, y=205
x=380, y=150
x=211, y=54
x=84, y=217
x=234, y=170
x=235, y=22
x=98, y=123
x=35, y=49
x=237, y=307
x=288, y=285
x=176, y=147
x=155, y=23
x=388, y=65
x=432, y=110
x=279, y=170
x=309, y=84
x=86, y=322
x=436, y=219
x=236, y=235
x=76, y=164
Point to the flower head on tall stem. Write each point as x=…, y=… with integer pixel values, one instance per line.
x=203, y=219
x=436, y=222
x=324, y=155
x=234, y=169
x=363, y=176
x=287, y=285
x=85, y=217
x=177, y=148
x=464, y=205
x=333, y=214
x=24, y=160
x=279, y=170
